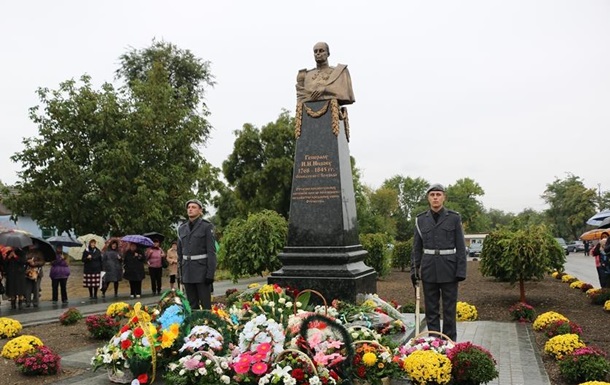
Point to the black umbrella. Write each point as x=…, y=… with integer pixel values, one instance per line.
x=604, y=224
x=15, y=239
x=47, y=249
x=154, y=235
x=64, y=240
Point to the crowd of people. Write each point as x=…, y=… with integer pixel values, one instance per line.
x=22, y=271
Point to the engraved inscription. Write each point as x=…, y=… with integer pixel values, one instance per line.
x=316, y=166
x=318, y=194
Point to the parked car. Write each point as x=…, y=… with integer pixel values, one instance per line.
x=571, y=247
x=475, y=249
x=563, y=244
x=580, y=245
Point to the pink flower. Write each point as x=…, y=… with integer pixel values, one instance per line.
x=241, y=368
x=259, y=368
x=264, y=347
x=192, y=364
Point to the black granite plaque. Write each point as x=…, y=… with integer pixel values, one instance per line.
x=323, y=251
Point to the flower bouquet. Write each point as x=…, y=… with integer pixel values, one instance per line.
x=427, y=367
x=119, y=310
x=471, y=364
x=199, y=368
x=41, y=361
x=9, y=327
x=436, y=344
x=111, y=357
x=328, y=344
x=372, y=363
x=295, y=367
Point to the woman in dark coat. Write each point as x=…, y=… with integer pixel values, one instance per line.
x=112, y=264
x=133, y=262
x=92, y=268
x=14, y=263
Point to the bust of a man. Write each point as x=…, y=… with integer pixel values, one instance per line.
x=324, y=82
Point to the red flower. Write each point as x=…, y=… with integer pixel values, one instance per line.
x=298, y=374
x=124, y=329
x=125, y=344
x=143, y=378
x=138, y=332
x=361, y=371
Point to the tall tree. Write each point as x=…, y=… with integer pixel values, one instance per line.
x=411, y=201
x=259, y=170
x=462, y=197
x=115, y=161
x=570, y=205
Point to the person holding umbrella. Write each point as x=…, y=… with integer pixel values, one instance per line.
x=13, y=267
x=197, y=256
x=92, y=268
x=133, y=262
x=33, y=275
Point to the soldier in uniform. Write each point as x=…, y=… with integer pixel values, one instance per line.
x=197, y=256
x=439, y=260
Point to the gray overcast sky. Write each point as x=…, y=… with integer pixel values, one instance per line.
x=509, y=93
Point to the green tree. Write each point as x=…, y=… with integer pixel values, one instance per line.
x=401, y=254
x=379, y=255
x=521, y=254
x=411, y=201
x=259, y=170
x=497, y=218
x=570, y=205
x=462, y=197
x=251, y=246
x=116, y=161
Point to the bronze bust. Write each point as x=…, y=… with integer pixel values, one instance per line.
x=324, y=82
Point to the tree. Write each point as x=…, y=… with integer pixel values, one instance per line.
x=570, y=205
x=251, y=246
x=462, y=197
x=259, y=170
x=411, y=201
x=115, y=161
x=497, y=218
x=519, y=254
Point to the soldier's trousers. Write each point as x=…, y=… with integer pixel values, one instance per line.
x=434, y=293
x=198, y=294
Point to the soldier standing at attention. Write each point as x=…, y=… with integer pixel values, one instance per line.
x=197, y=256
x=439, y=260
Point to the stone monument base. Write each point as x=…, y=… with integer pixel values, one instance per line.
x=336, y=275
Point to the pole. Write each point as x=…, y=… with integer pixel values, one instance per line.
x=417, y=316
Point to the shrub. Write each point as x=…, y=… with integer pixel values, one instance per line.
x=471, y=364
x=562, y=345
x=522, y=312
x=544, y=319
x=401, y=254
x=101, y=326
x=585, y=364
x=466, y=312
x=20, y=345
x=40, y=361
x=70, y=316
x=378, y=256
x=9, y=327
x=598, y=296
x=559, y=327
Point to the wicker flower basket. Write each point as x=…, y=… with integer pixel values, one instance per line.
x=124, y=377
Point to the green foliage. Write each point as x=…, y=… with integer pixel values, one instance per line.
x=462, y=197
x=570, y=205
x=518, y=255
x=401, y=254
x=70, y=316
x=379, y=256
x=252, y=246
x=120, y=161
x=259, y=170
x=411, y=193
x=585, y=364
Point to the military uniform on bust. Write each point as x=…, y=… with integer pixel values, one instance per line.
x=439, y=260
x=197, y=256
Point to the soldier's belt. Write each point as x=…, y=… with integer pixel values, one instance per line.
x=195, y=257
x=439, y=252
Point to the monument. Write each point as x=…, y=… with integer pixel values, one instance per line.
x=323, y=252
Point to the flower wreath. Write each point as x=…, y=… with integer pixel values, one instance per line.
x=214, y=321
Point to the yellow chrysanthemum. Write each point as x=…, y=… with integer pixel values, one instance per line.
x=174, y=329
x=19, y=345
x=118, y=309
x=253, y=285
x=545, y=319
x=369, y=359
x=9, y=327
x=428, y=366
x=562, y=345
x=466, y=312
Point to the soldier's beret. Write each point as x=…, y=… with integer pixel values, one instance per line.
x=435, y=187
x=196, y=201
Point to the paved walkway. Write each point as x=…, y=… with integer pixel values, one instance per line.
x=512, y=344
